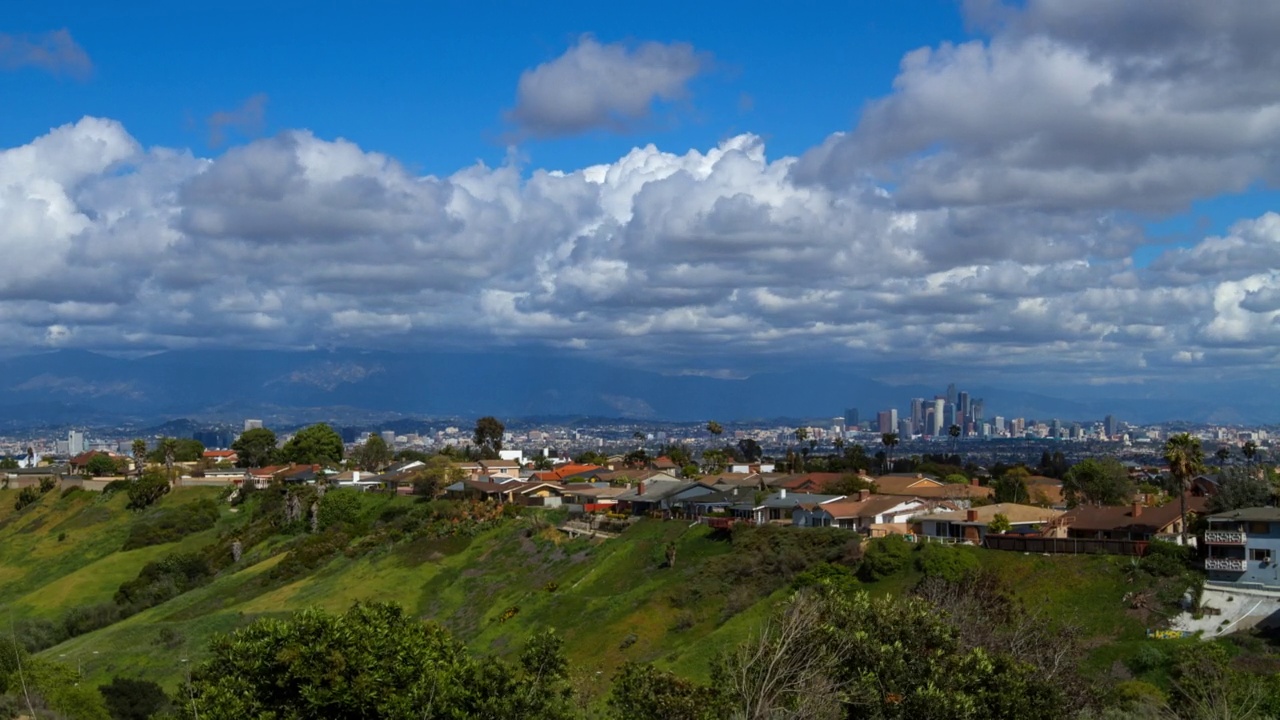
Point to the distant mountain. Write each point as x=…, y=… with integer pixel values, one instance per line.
x=350, y=386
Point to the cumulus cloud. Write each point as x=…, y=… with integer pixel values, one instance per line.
x=1076, y=104
x=603, y=86
x=299, y=241
x=55, y=52
x=248, y=119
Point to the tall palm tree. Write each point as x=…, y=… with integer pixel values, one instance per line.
x=1222, y=454
x=1186, y=459
x=1250, y=450
x=954, y=432
x=139, y=454
x=890, y=441
x=169, y=447
x=715, y=428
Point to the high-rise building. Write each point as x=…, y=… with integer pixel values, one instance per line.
x=887, y=421
x=252, y=425
x=1111, y=426
x=917, y=414
x=388, y=437
x=975, y=410
x=951, y=393
x=962, y=406
x=75, y=443
x=851, y=418
x=949, y=416
x=939, y=415
x=904, y=428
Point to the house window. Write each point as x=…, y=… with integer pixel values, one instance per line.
x=1259, y=528
x=1260, y=554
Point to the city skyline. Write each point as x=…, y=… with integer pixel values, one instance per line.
x=1050, y=197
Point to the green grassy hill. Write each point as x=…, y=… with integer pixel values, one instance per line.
x=612, y=601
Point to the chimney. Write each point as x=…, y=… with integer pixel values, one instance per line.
x=782, y=494
x=974, y=482
x=971, y=516
x=640, y=488
x=863, y=495
x=1137, y=508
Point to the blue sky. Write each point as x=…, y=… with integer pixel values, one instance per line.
x=1044, y=192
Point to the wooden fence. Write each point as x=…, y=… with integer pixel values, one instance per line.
x=1066, y=546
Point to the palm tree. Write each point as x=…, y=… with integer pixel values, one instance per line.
x=838, y=444
x=139, y=454
x=954, y=432
x=169, y=447
x=890, y=441
x=1222, y=454
x=715, y=428
x=802, y=434
x=1250, y=450
x=1186, y=459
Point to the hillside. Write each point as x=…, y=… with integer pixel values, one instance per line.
x=492, y=586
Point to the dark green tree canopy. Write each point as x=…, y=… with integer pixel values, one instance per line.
x=373, y=455
x=255, y=448
x=184, y=450
x=488, y=436
x=1097, y=482
x=317, y=444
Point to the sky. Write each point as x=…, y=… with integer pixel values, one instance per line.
x=1042, y=193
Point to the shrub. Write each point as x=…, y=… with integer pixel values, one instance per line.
x=70, y=490
x=884, y=557
x=115, y=486
x=130, y=699
x=163, y=579
x=26, y=496
x=172, y=524
x=1165, y=559
x=47, y=484
x=949, y=563
x=309, y=553
x=147, y=489
x=87, y=618
x=1147, y=658
x=338, y=507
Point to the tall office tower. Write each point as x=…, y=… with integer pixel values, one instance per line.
x=884, y=422
x=949, y=416
x=904, y=428
x=939, y=415
x=1055, y=428
x=837, y=425
x=1112, y=426
x=252, y=425
x=962, y=405
x=997, y=423
x=75, y=443
x=851, y=418
x=951, y=393
x=917, y=414
x=975, y=409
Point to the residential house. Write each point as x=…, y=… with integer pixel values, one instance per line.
x=1244, y=548
x=780, y=507
x=971, y=525
x=814, y=482
x=593, y=497
x=567, y=473
x=540, y=494
x=930, y=488
x=751, y=468
x=735, y=479
x=1130, y=522
x=655, y=496
x=860, y=513
x=80, y=463
x=222, y=456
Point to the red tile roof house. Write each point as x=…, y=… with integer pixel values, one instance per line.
x=1131, y=522
x=222, y=456
x=79, y=463
x=970, y=526
x=860, y=513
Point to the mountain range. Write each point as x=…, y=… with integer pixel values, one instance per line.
x=81, y=387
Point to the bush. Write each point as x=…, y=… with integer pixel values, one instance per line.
x=949, y=563
x=147, y=489
x=172, y=524
x=47, y=484
x=26, y=496
x=1147, y=658
x=338, y=507
x=70, y=490
x=87, y=618
x=884, y=557
x=309, y=553
x=130, y=699
x=115, y=486
x=1165, y=559
x=163, y=579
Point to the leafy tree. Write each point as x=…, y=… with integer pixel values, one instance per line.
x=100, y=465
x=439, y=473
x=1011, y=487
x=642, y=692
x=999, y=524
x=1223, y=453
x=715, y=429
x=750, y=449
x=848, y=484
x=147, y=489
x=488, y=436
x=373, y=455
x=317, y=444
x=408, y=455
x=591, y=457
x=885, y=556
x=1249, y=450
x=802, y=434
x=255, y=448
x=338, y=507
x=1097, y=482
x=1186, y=459
x=131, y=699
x=1240, y=488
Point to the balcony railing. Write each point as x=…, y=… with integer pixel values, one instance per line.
x=1226, y=564
x=1223, y=537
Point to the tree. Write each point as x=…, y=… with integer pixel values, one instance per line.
x=488, y=436
x=671, y=554
x=890, y=441
x=439, y=473
x=1241, y=488
x=100, y=464
x=1249, y=450
x=642, y=692
x=1186, y=460
x=715, y=429
x=1011, y=486
x=848, y=484
x=750, y=449
x=131, y=699
x=1222, y=454
x=147, y=489
x=255, y=448
x=373, y=455
x=954, y=432
x=1097, y=482
x=338, y=507
x=139, y=455
x=999, y=524
x=802, y=434
x=318, y=444
x=169, y=452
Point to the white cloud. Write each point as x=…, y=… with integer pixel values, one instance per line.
x=603, y=86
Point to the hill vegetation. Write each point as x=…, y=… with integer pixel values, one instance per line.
x=119, y=596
